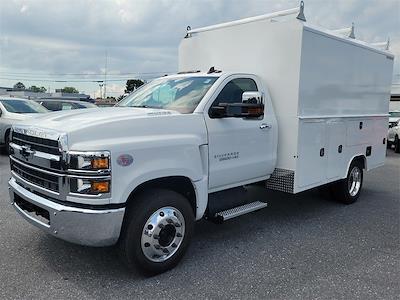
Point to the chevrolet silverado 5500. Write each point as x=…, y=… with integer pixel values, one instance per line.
x=294, y=107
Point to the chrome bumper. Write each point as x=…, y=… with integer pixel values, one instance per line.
x=90, y=227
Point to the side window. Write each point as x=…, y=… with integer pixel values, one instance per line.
x=234, y=89
x=66, y=106
x=52, y=105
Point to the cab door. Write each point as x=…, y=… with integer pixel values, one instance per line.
x=241, y=150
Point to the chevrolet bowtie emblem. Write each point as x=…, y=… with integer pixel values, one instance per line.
x=26, y=152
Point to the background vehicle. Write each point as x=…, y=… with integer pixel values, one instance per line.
x=394, y=118
x=13, y=111
x=141, y=173
x=393, y=139
x=62, y=104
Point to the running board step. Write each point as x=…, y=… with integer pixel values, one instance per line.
x=238, y=211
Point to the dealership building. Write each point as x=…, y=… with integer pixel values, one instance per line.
x=28, y=94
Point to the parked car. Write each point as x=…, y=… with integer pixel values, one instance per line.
x=393, y=138
x=62, y=104
x=394, y=118
x=14, y=110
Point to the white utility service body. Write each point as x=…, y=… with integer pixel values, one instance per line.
x=324, y=101
x=322, y=86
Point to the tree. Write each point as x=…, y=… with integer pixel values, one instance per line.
x=37, y=89
x=19, y=86
x=69, y=89
x=133, y=84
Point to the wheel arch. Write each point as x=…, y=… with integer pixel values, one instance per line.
x=6, y=133
x=360, y=158
x=179, y=184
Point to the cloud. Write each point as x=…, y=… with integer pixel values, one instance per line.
x=24, y=8
x=47, y=36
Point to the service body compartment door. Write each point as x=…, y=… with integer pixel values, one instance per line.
x=311, y=164
x=336, y=135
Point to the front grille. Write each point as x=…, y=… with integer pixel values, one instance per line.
x=36, y=177
x=36, y=143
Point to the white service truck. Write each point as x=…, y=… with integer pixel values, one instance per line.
x=288, y=105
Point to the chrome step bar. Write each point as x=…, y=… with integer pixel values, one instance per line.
x=239, y=210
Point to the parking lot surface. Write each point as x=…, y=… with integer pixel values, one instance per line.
x=301, y=246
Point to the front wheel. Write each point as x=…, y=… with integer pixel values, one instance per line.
x=348, y=190
x=157, y=230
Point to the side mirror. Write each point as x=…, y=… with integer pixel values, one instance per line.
x=252, y=97
x=252, y=106
x=237, y=110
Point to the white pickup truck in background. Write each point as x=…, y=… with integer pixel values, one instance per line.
x=288, y=105
x=393, y=138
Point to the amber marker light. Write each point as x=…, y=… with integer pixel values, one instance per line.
x=100, y=186
x=100, y=163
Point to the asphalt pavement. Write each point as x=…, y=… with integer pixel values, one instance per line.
x=300, y=247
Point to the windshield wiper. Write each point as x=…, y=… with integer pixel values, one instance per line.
x=146, y=106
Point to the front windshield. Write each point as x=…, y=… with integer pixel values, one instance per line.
x=180, y=94
x=23, y=106
x=395, y=114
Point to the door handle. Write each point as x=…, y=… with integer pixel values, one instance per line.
x=265, y=126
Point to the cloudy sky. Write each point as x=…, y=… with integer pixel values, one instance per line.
x=45, y=41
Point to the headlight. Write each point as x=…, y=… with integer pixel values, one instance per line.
x=90, y=186
x=91, y=172
x=89, y=161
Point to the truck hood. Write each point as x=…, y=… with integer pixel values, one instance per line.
x=21, y=117
x=109, y=128
x=68, y=121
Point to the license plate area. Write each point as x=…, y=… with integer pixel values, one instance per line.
x=34, y=211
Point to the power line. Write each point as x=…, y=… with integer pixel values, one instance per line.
x=84, y=74
x=68, y=80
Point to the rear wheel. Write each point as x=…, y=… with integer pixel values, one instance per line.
x=157, y=230
x=348, y=190
x=396, y=144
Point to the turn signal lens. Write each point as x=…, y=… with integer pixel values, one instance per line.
x=100, y=186
x=100, y=163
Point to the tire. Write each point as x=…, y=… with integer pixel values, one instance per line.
x=348, y=190
x=157, y=221
x=396, y=144
x=7, y=142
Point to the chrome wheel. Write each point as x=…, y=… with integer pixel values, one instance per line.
x=354, y=181
x=162, y=234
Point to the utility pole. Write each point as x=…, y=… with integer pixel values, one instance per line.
x=101, y=86
x=105, y=77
